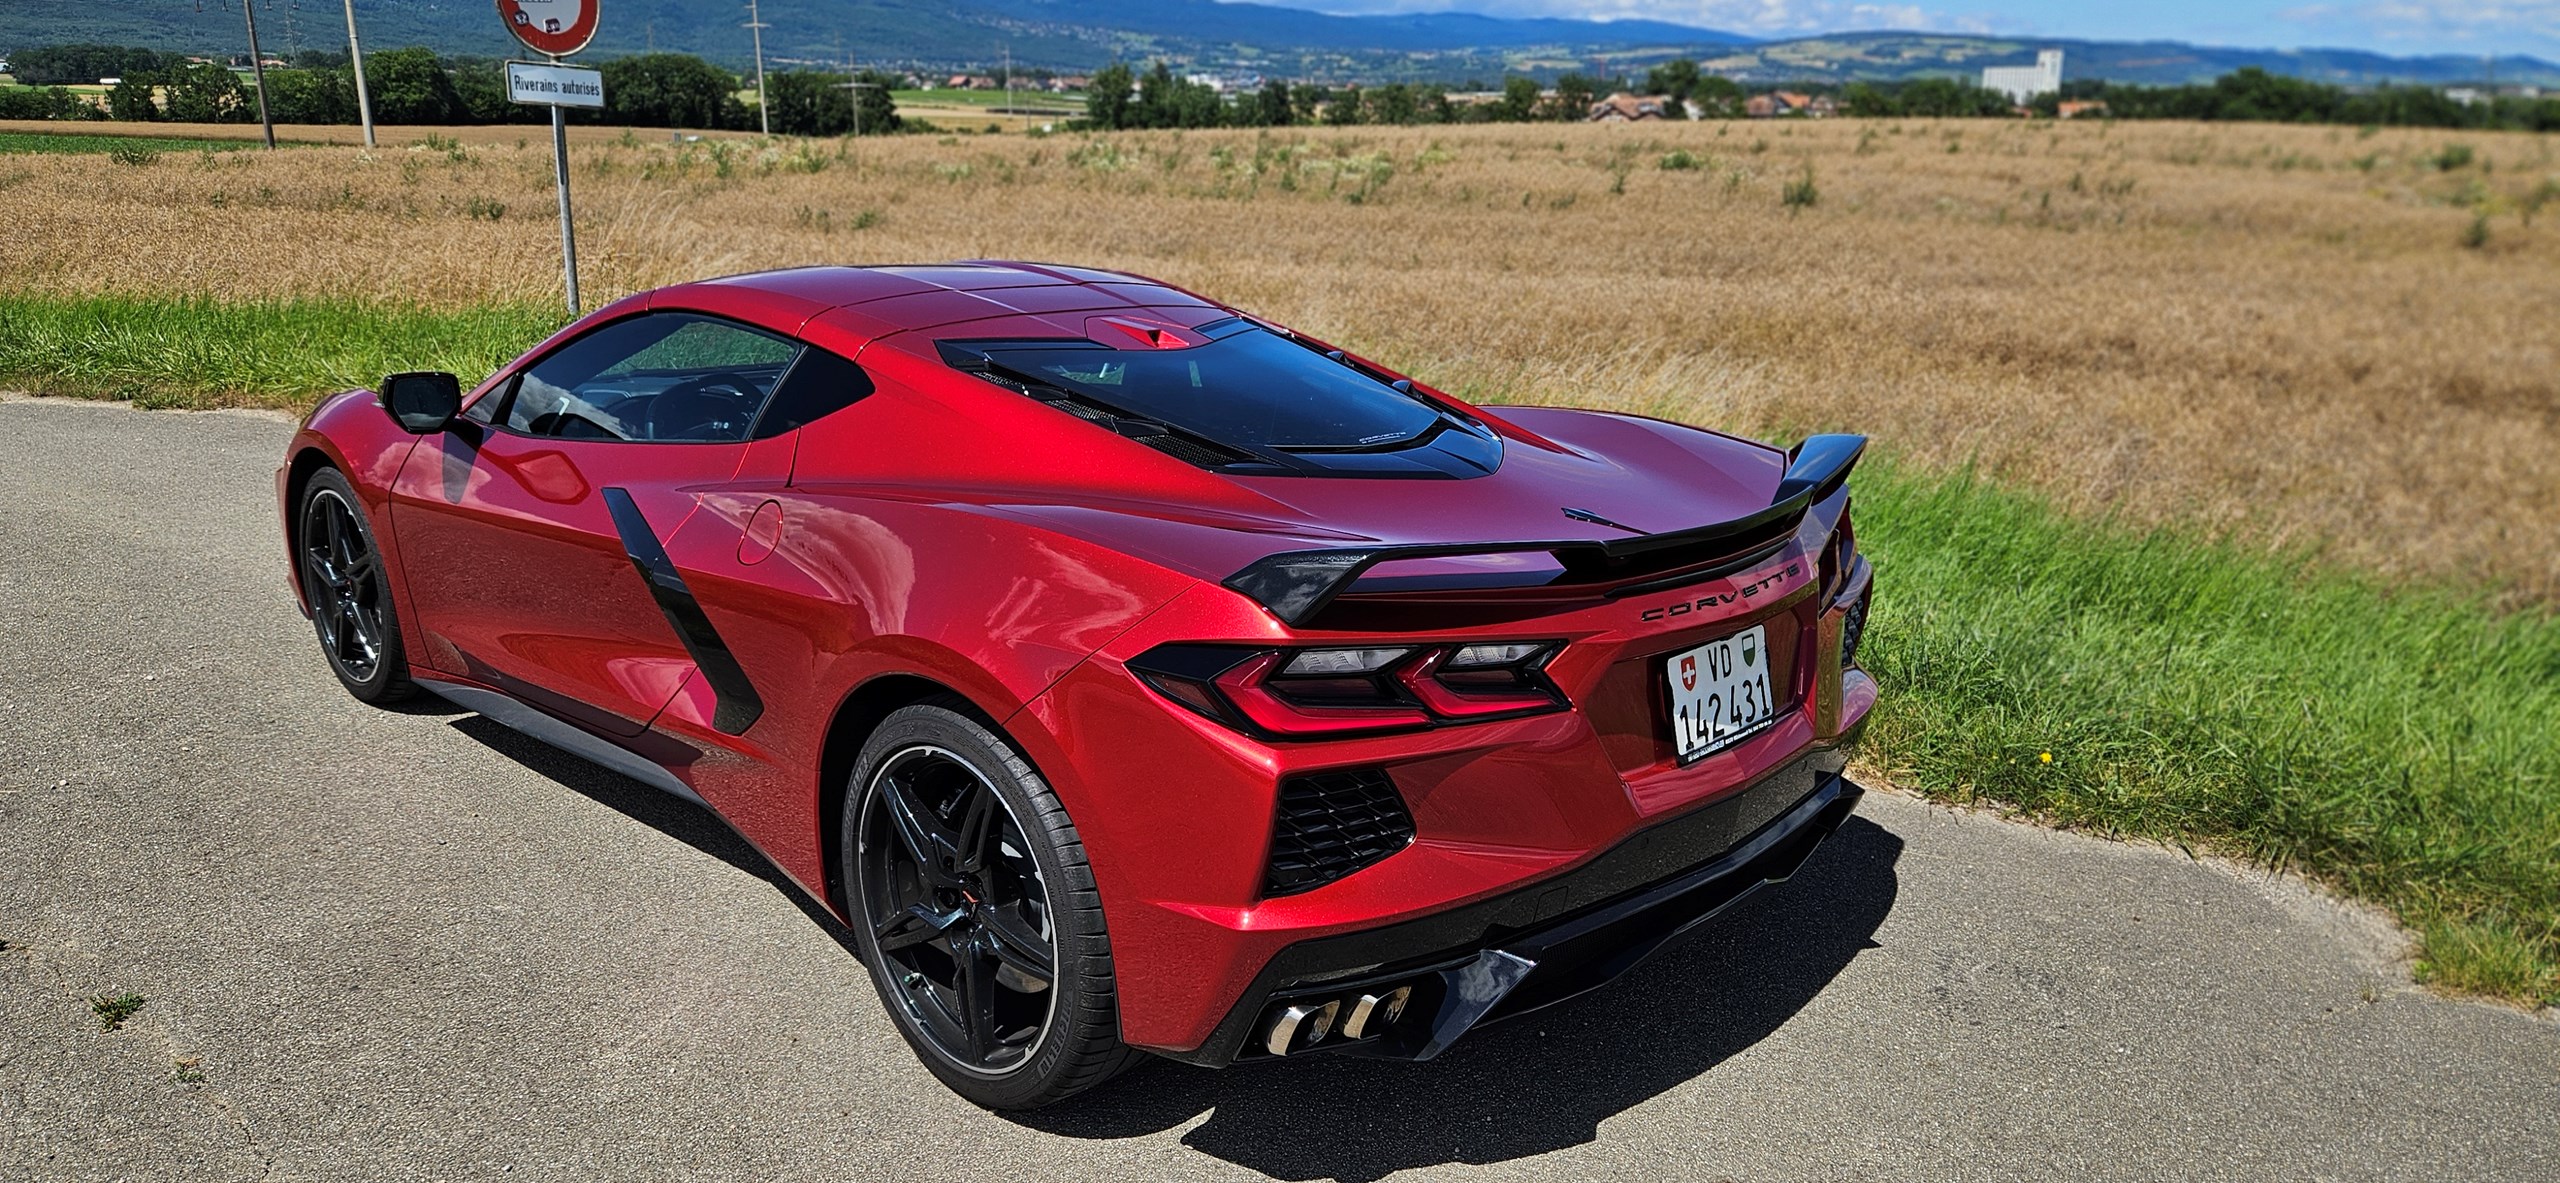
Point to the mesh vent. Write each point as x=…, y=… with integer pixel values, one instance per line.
x=1332, y=824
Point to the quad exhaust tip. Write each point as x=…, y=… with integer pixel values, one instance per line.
x=1306, y=1024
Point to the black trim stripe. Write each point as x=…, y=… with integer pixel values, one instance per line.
x=736, y=705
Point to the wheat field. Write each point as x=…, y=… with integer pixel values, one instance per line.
x=2320, y=338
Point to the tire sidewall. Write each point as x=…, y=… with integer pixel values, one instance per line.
x=1032, y=804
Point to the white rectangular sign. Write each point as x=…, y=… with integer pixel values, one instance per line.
x=554, y=86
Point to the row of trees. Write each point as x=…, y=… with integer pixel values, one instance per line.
x=414, y=86
x=81, y=65
x=1118, y=98
x=2255, y=95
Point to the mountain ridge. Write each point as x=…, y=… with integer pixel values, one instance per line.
x=1236, y=38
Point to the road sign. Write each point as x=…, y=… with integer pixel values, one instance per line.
x=556, y=28
x=555, y=86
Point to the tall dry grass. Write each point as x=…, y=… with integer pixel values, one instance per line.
x=2295, y=333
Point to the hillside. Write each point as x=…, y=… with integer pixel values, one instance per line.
x=1077, y=35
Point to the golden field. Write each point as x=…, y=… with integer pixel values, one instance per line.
x=2299, y=333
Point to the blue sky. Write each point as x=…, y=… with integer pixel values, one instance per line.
x=2386, y=26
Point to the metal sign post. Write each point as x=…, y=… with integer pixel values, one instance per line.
x=550, y=84
x=555, y=29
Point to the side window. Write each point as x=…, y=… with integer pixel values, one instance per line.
x=663, y=376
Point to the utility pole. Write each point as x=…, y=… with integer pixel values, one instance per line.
x=355, y=55
x=764, y=110
x=1008, y=83
x=258, y=68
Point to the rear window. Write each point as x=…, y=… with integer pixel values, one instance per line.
x=1250, y=389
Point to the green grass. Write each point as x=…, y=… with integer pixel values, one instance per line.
x=23, y=142
x=113, y=1009
x=2400, y=743
x=186, y=353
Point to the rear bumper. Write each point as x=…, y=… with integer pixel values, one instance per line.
x=1509, y=955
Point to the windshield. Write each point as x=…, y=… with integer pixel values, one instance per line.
x=1251, y=389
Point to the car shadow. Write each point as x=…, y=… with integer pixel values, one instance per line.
x=677, y=818
x=1536, y=1084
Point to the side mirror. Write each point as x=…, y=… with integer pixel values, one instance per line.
x=424, y=402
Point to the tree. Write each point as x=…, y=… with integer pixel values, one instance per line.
x=411, y=86
x=1673, y=79
x=1271, y=106
x=815, y=103
x=311, y=96
x=130, y=100
x=1717, y=97
x=1519, y=102
x=808, y=103
x=1306, y=99
x=1573, y=99
x=1864, y=100
x=45, y=102
x=1392, y=103
x=1346, y=108
x=84, y=65
x=204, y=93
x=1155, y=105
x=879, y=108
x=1106, y=98
x=670, y=90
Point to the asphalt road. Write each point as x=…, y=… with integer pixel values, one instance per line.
x=413, y=946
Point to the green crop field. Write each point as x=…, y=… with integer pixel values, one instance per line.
x=12, y=142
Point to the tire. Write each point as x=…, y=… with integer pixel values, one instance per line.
x=947, y=909
x=349, y=592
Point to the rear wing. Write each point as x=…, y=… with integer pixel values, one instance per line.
x=1296, y=585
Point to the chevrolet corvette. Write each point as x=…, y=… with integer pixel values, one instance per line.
x=1130, y=674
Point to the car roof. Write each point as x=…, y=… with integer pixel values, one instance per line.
x=879, y=301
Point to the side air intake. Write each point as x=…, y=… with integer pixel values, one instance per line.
x=1331, y=824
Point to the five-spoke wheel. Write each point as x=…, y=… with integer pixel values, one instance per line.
x=976, y=910
x=350, y=600
x=957, y=905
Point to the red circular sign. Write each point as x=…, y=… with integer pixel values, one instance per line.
x=555, y=27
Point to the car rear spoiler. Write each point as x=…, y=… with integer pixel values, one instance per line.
x=1296, y=585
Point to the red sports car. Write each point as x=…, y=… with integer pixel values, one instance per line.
x=1131, y=674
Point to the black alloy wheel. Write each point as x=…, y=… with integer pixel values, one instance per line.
x=958, y=909
x=975, y=909
x=343, y=582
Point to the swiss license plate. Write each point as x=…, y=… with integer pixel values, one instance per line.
x=1720, y=693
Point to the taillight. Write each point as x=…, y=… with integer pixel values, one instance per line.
x=1338, y=692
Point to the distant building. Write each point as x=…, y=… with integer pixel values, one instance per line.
x=2023, y=83
x=2075, y=108
x=1627, y=108
x=1779, y=103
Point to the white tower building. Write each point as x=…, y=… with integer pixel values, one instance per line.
x=2022, y=83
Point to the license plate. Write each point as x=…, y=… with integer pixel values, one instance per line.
x=1720, y=693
